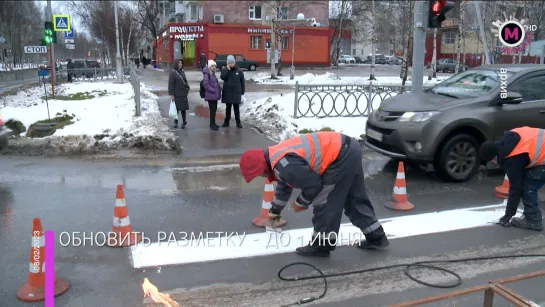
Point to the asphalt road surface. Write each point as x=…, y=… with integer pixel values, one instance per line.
x=172, y=197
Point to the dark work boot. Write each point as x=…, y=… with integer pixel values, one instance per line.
x=316, y=248
x=175, y=123
x=526, y=224
x=183, y=125
x=239, y=125
x=375, y=240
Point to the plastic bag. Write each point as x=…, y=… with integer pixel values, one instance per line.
x=173, y=112
x=242, y=100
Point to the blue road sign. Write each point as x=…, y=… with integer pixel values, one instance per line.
x=43, y=72
x=61, y=23
x=69, y=34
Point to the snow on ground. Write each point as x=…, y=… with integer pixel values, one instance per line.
x=7, y=67
x=331, y=78
x=274, y=114
x=106, y=120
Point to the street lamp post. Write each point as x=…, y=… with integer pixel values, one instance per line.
x=118, y=53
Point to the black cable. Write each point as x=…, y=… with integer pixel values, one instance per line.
x=407, y=267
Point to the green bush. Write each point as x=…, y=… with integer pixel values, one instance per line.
x=16, y=126
x=58, y=121
x=305, y=131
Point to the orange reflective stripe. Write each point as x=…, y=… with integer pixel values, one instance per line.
x=531, y=142
x=319, y=149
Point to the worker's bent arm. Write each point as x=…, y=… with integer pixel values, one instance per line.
x=295, y=171
x=514, y=168
x=281, y=195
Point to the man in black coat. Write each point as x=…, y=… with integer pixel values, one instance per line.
x=233, y=89
x=202, y=60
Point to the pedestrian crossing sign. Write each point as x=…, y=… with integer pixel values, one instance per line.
x=61, y=23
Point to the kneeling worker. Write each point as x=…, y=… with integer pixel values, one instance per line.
x=521, y=154
x=327, y=167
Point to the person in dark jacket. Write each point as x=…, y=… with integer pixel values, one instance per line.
x=178, y=89
x=233, y=89
x=202, y=60
x=521, y=154
x=69, y=71
x=212, y=91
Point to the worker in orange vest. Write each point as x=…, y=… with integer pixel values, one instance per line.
x=327, y=168
x=521, y=154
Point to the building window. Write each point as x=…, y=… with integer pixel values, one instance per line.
x=449, y=38
x=256, y=41
x=282, y=13
x=361, y=51
x=193, y=12
x=254, y=12
x=353, y=51
x=284, y=42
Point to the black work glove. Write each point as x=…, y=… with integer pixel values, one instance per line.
x=505, y=221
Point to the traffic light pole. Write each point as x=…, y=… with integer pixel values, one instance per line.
x=419, y=42
x=53, y=64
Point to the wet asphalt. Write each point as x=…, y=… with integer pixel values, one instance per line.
x=78, y=196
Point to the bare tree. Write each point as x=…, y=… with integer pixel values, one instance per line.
x=148, y=16
x=408, y=10
x=373, y=41
x=461, y=35
x=341, y=13
x=434, y=55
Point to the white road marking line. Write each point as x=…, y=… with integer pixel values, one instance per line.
x=209, y=168
x=209, y=247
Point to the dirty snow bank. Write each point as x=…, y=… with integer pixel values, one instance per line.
x=104, y=121
x=274, y=115
x=332, y=78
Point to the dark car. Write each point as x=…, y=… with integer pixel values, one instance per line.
x=379, y=59
x=445, y=125
x=358, y=60
x=83, y=68
x=242, y=62
x=449, y=65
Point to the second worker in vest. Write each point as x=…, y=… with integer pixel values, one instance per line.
x=521, y=154
x=327, y=168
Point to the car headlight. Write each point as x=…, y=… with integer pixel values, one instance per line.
x=417, y=116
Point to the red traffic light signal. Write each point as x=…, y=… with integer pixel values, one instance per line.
x=437, y=11
x=436, y=8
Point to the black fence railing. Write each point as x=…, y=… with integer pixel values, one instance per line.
x=341, y=100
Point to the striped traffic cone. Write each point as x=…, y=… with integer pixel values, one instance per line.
x=502, y=191
x=399, y=200
x=263, y=219
x=34, y=289
x=122, y=234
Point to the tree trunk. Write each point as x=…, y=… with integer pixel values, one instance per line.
x=460, y=37
x=339, y=34
x=129, y=40
x=122, y=46
x=373, y=40
x=520, y=57
x=434, y=55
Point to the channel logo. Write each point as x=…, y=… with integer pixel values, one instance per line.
x=512, y=32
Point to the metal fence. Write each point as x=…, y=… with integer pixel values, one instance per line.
x=135, y=82
x=327, y=100
x=90, y=74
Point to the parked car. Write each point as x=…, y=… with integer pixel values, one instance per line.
x=347, y=59
x=448, y=65
x=83, y=68
x=242, y=62
x=393, y=60
x=5, y=133
x=445, y=125
x=358, y=60
x=379, y=59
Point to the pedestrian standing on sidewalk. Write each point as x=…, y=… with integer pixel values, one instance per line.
x=212, y=91
x=178, y=89
x=521, y=154
x=233, y=89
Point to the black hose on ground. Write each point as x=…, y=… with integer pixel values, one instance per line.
x=433, y=265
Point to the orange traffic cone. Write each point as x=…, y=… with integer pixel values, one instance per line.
x=399, y=197
x=122, y=234
x=263, y=218
x=34, y=289
x=502, y=191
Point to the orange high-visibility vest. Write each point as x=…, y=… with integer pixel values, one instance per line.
x=319, y=149
x=531, y=142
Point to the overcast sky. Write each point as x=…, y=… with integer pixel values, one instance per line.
x=60, y=7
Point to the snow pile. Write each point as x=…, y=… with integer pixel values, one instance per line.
x=103, y=118
x=331, y=78
x=274, y=115
x=9, y=67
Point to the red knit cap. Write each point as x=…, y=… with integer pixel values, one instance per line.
x=252, y=164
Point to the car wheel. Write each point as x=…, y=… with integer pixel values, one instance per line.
x=252, y=67
x=445, y=70
x=458, y=159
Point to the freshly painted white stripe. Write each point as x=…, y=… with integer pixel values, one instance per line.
x=269, y=188
x=213, y=247
x=120, y=202
x=121, y=222
x=37, y=242
x=398, y=190
x=400, y=176
x=209, y=168
x=266, y=205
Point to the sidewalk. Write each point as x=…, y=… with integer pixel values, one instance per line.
x=197, y=139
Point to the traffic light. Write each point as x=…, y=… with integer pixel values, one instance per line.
x=48, y=33
x=436, y=12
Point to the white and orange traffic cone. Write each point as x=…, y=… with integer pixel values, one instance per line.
x=34, y=289
x=502, y=191
x=263, y=219
x=399, y=200
x=122, y=234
